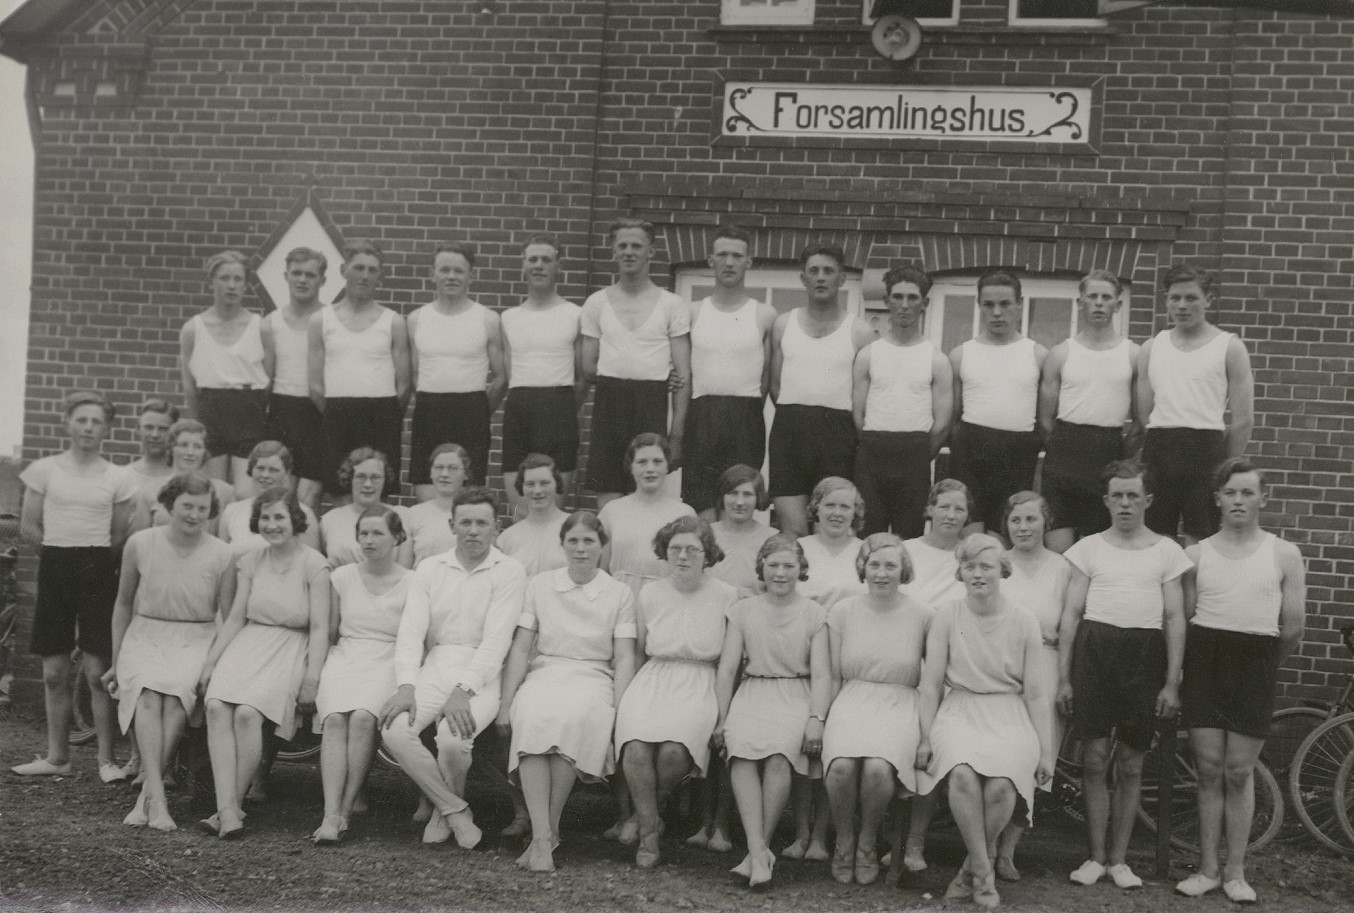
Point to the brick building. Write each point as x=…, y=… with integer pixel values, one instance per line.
x=167, y=130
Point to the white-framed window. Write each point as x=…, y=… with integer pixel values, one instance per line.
x=781, y=287
x=1048, y=317
x=1068, y=13
x=766, y=12
x=928, y=13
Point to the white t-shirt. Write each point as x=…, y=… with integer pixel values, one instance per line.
x=1125, y=588
x=641, y=354
x=77, y=507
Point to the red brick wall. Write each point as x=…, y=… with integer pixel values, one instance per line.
x=1224, y=141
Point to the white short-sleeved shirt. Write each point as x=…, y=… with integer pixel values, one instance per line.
x=642, y=354
x=1125, y=589
x=77, y=507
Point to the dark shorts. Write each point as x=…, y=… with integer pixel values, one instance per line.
x=294, y=422
x=994, y=464
x=721, y=431
x=1116, y=676
x=1229, y=681
x=236, y=420
x=1182, y=461
x=351, y=422
x=808, y=444
x=893, y=474
x=449, y=418
x=622, y=409
x=76, y=590
x=1075, y=457
x=540, y=420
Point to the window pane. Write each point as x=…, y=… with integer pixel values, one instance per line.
x=1050, y=320
x=1057, y=9
x=958, y=327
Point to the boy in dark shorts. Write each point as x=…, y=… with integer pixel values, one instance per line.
x=1121, y=645
x=78, y=508
x=293, y=419
x=1191, y=378
x=1245, y=600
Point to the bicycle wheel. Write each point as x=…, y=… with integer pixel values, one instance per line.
x=1313, y=777
x=1287, y=728
x=302, y=746
x=1344, y=797
x=1269, y=804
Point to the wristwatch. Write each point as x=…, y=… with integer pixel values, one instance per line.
x=468, y=691
x=820, y=719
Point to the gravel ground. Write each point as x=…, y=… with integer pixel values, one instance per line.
x=63, y=848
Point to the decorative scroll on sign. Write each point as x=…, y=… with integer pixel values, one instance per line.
x=1001, y=113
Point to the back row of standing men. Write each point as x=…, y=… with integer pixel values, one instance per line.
x=325, y=380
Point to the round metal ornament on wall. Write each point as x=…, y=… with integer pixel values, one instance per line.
x=896, y=37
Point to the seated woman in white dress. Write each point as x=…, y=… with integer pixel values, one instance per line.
x=560, y=705
x=175, y=582
x=991, y=733
x=837, y=513
x=265, y=661
x=935, y=581
x=359, y=672
x=870, y=743
x=365, y=473
x=665, y=720
x=1038, y=582
x=429, y=522
x=535, y=540
x=187, y=453
x=269, y=466
x=774, y=724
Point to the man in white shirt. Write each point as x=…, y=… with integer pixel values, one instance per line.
x=635, y=336
x=293, y=419
x=1245, y=601
x=1196, y=398
x=1121, y=648
x=464, y=604
x=730, y=374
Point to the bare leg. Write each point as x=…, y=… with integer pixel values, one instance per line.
x=1239, y=779
x=878, y=783
x=1127, y=792
x=673, y=763
x=792, y=514
x=966, y=804
x=1209, y=747
x=334, y=762
x=56, y=688
x=150, y=738
x=843, y=791
x=1095, y=789
x=105, y=716
x=361, y=752
x=562, y=779
x=776, y=778
x=641, y=779
x=999, y=799
x=221, y=747
x=534, y=771
x=248, y=746
x=918, y=821
x=746, y=785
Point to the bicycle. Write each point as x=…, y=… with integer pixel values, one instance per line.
x=1314, y=773
x=1344, y=797
x=1290, y=725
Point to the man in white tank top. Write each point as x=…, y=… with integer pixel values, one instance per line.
x=994, y=447
x=635, y=336
x=543, y=350
x=1189, y=378
x=1246, y=603
x=730, y=374
x=359, y=369
x=293, y=420
x=1085, y=400
x=813, y=349
x=456, y=359
x=902, y=403
x=1121, y=646
x=226, y=360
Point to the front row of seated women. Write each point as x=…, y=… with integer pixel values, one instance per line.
x=598, y=678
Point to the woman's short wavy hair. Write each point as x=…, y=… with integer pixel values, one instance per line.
x=185, y=426
x=647, y=439
x=947, y=485
x=1025, y=497
x=279, y=495
x=878, y=541
x=188, y=483
x=741, y=474
x=394, y=524
x=356, y=458
x=586, y=519
x=538, y=461
x=782, y=542
x=975, y=545
x=264, y=449
x=826, y=487
x=696, y=526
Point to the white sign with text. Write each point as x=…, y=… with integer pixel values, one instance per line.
x=1011, y=113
